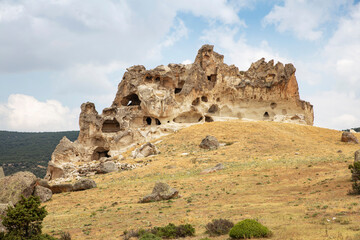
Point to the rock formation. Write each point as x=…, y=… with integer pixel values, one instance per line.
x=161, y=191
x=349, y=137
x=152, y=103
x=210, y=143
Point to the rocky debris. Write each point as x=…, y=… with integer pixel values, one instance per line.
x=356, y=172
x=2, y=174
x=108, y=167
x=45, y=194
x=349, y=137
x=161, y=191
x=145, y=150
x=218, y=167
x=209, y=142
x=42, y=183
x=152, y=103
x=80, y=185
x=13, y=186
x=60, y=188
x=84, y=184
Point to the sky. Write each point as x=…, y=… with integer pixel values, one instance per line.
x=57, y=54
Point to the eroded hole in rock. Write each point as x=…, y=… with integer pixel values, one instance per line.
x=131, y=100
x=157, y=79
x=212, y=78
x=218, y=99
x=188, y=117
x=273, y=105
x=196, y=102
x=148, y=79
x=110, y=126
x=213, y=109
x=209, y=78
x=100, y=152
x=208, y=119
x=204, y=99
x=200, y=119
x=177, y=90
x=266, y=115
x=147, y=120
x=157, y=121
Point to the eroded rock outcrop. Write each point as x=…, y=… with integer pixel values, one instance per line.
x=156, y=102
x=161, y=191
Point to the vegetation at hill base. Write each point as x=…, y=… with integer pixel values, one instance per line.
x=24, y=221
x=23, y=151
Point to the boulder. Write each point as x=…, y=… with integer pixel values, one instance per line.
x=161, y=191
x=145, y=150
x=42, y=182
x=107, y=167
x=218, y=167
x=84, y=184
x=45, y=194
x=60, y=188
x=2, y=174
x=210, y=142
x=13, y=186
x=349, y=137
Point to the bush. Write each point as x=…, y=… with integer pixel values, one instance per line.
x=149, y=236
x=65, y=236
x=24, y=221
x=172, y=231
x=219, y=227
x=355, y=170
x=249, y=228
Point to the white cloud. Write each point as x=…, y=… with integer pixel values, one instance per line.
x=342, y=53
x=57, y=34
x=26, y=113
x=335, y=110
x=236, y=49
x=304, y=18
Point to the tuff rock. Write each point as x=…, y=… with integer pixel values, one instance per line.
x=156, y=102
x=45, y=194
x=161, y=191
x=209, y=142
x=13, y=186
x=349, y=137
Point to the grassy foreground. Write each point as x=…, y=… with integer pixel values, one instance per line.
x=291, y=178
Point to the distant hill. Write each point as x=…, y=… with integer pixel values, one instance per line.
x=20, y=151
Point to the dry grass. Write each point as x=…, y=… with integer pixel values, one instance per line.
x=289, y=177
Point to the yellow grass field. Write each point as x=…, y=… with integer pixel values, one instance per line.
x=291, y=178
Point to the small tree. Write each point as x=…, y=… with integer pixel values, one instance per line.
x=25, y=219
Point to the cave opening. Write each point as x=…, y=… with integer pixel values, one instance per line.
x=266, y=115
x=157, y=121
x=100, y=152
x=177, y=90
x=110, y=126
x=204, y=99
x=208, y=119
x=131, y=100
x=195, y=102
x=147, y=120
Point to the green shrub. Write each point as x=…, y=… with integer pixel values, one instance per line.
x=149, y=236
x=249, y=228
x=219, y=227
x=24, y=221
x=65, y=236
x=172, y=231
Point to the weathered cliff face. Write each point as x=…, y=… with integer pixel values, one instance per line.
x=151, y=103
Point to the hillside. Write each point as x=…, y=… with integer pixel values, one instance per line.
x=20, y=151
x=292, y=178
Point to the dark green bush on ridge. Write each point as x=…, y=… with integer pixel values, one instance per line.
x=249, y=228
x=218, y=227
x=149, y=236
